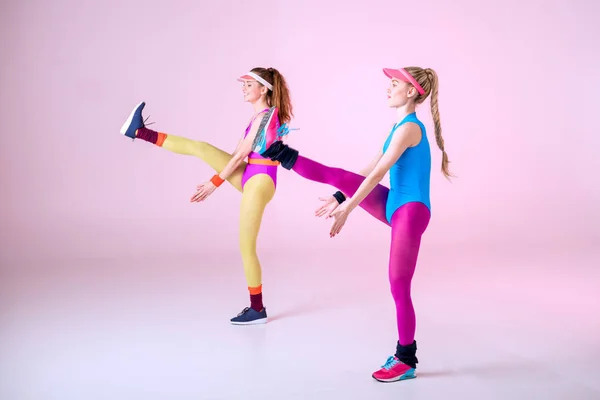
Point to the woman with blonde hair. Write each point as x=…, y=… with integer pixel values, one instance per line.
x=405, y=206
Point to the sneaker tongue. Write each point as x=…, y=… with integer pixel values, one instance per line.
x=391, y=361
x=244, y=311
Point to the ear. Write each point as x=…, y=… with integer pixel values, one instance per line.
x=412, y=91
x=263, y=90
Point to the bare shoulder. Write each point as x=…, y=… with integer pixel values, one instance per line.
x=256, y=123
x=409, y=134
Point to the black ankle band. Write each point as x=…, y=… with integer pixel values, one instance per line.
x=288, y=157
x=339, y=196
x=407, y=354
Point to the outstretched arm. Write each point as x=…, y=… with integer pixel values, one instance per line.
x=405, y=136
x=372, y=164
x=243, y=149
x=366, y=170
x=237, y=146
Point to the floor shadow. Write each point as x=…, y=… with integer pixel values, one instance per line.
x=492, y=370
x=437, y=374
x=297, y=311
x=329, y=301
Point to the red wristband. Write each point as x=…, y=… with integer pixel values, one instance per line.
x=216, y=180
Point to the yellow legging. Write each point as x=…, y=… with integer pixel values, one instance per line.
x=256, y=194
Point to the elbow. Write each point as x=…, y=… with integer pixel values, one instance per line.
x=377, y=177
x=237, y=159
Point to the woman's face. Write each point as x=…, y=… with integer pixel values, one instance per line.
x=253, y=91
x=399, y=93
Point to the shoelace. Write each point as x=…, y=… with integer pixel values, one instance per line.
x=144, y=123
x=391, y=362
x=244, y=311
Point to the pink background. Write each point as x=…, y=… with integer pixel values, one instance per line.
x=516, y=106
x=80, y=204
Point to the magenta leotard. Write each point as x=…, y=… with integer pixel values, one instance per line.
x=255, y=169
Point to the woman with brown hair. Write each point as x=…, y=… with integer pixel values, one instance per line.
x=266, y=90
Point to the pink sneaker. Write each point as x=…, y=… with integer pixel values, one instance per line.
x=394, y=370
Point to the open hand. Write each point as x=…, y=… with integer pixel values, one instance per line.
x=203, y=191
x=340, y=215
x=328, y=205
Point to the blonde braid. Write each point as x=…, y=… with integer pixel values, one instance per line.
x=428, y=80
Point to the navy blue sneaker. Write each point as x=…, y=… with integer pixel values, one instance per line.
x=134, y=122
x=250, y=316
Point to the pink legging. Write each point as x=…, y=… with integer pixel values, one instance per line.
x=408, y=225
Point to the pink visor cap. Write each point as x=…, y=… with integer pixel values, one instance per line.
x=251, y=76
x=403, y=75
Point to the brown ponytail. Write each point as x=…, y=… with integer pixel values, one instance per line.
x=428, y=80
x=280, y=96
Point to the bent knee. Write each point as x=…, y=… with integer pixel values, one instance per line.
x=250, y=259
x=400, y=285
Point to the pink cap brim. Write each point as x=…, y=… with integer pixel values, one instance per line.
x=245, y=78
x=395, y=74
x=403, y=75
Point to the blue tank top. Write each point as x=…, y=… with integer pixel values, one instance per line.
x=410, y=175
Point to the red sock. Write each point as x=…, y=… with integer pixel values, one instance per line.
x=157, y=138
x=256, y=298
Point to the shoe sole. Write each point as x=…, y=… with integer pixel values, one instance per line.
x=400, y=378
x=255, y=322
x=125, y=126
